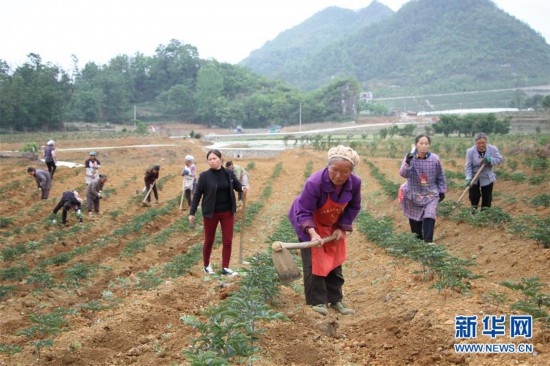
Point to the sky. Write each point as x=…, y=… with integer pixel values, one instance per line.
x=225, y=30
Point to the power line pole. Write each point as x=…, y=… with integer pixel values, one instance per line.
x=300, y=116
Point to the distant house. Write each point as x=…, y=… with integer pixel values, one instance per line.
x=366, y=96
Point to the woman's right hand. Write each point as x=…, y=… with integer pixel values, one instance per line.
x=408, y=158
x=314, y=236
x=191, y=219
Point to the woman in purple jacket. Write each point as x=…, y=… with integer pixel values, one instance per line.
x=328, y=204
x=425, y=188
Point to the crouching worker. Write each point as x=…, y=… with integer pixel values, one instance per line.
x=94, y=194
x=43, y=181
x=69, y=200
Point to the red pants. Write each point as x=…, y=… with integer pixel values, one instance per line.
x=227, y=220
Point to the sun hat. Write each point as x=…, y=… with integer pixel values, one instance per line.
x=51, y=142
x=189, y=157
x=93, y=153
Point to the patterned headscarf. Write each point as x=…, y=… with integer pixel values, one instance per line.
x=344, y=152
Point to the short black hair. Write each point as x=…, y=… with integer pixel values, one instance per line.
x=215, y=152
x=30, y=169
x=228, y=164
x=418, y=137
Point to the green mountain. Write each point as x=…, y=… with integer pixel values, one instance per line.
x=433, y=45
x=279, y=58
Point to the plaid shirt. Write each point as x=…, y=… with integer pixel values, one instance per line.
x=425, y=181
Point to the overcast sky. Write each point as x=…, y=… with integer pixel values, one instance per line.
x=227, y=30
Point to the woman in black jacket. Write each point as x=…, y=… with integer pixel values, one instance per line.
x=215, y=187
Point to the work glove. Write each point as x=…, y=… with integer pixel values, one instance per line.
x=468, y=181
x=487, y=160
x=441, y=197
x=409, y=157
x=99, y=195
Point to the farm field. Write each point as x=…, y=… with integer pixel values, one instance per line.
x=123, y=288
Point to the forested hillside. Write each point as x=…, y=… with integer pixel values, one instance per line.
x=434, y=45
x=283, y=56
x=319, y=68
x=172, y=85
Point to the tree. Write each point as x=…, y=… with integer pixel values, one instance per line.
x=178, y=102
x=546, y=102
x=36, y=95
x=209, y=88
x=446, y=125
x=174, y=64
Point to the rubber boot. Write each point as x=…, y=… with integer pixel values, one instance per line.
x=342, y=309
x=428, y=226
x=321, y=309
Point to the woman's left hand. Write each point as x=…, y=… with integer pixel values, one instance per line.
x=339, y=234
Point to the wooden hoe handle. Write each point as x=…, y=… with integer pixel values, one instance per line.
x=471, y=183
x=277, y=246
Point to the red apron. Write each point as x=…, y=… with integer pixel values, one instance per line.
x=333, y=253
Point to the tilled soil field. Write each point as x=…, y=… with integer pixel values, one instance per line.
x=111, y=259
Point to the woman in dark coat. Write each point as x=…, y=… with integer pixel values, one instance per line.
x=215, y=188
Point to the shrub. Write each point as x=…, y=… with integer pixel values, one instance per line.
x=4, y=290
x=30, y=147
x=79, y=272
x=14, y=273
x=9, y=349
x=9, y=253
x=491, y=216
x=141, y=127
x=5, y=221
x=512, y=164
x=540, y=200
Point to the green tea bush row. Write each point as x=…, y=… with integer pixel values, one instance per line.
x=534, y=301
x=390, y=188
x=532, y=227
x=528, y=226
x=436, y=262
x=143, y=241
x=230, y=335
x=45, y=325
x=231, y=332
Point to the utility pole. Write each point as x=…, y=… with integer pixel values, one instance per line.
x=300, y=116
